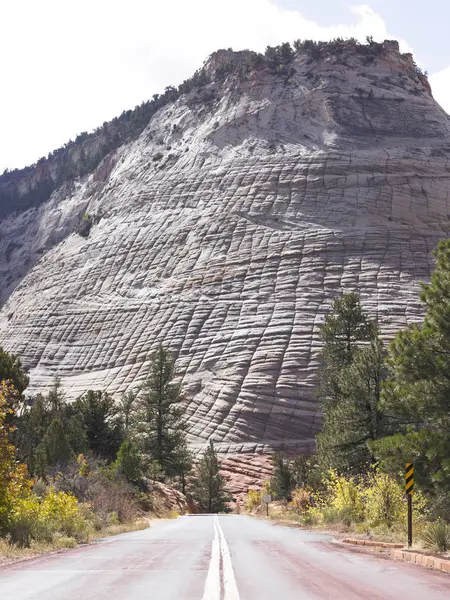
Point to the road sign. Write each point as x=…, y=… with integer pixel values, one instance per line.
x=409, y=488
x=409, y=478
x=267, y=498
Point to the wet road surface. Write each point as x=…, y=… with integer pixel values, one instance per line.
x=218, y=558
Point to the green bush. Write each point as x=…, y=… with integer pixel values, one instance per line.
x=128, y=462
x=437, y=536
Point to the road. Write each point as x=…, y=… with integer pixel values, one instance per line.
x=218, y=558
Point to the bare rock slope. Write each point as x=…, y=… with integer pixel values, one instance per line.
x=226, y=229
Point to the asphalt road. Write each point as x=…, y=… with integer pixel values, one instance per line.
x=218, y=558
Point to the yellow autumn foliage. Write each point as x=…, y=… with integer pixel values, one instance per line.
x=23, y=515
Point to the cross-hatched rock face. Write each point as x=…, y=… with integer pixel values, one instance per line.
x=225, y=231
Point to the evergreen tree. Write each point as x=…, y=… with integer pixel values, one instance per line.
x=208, y=488
x=76, y=430
x=349, y=385
x=355, y=419
x=286, y=52
x=98, y=415
x=127, y=408
x=305, y=471
x=56, y=398
x=30, y=429
x=184, y=462
x=55, y=444
x=11, y=369
x=417, y=398
x=35, y=419
x=128, y=462
x=160, y=430
x=341, y=333
x=282, y=482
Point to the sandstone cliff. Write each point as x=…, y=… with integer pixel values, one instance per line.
x=226, y=228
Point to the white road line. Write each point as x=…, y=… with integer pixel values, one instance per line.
x=212, y=584
x=219, y=550
x=229, y=580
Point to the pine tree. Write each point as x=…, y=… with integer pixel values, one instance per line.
x=56, y=398
x=208, y=488
x=282, y=482
x=11, y=369
x=128, y=462
x=350, y=386
x=30, y=429
x=184, y=462
x=341, y=333
x=160, y=430
x=55, y=444
x=98, y=414
x=417, y=398
x=127, y=408
x=356, y=419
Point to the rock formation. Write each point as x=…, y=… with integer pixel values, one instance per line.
x=226, y=228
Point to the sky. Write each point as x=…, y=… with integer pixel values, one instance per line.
x=66, y=67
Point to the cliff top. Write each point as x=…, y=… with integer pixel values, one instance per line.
x=315, y=63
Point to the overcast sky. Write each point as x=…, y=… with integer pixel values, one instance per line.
x=67, y=67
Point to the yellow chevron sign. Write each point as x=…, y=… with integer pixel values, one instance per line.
x=409, y=478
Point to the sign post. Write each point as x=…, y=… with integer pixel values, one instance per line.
x=266, y=499
x=409, y=488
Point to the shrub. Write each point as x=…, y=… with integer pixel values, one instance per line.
x=85, y=225
x=313, y=516
x=345, y=495
x=40, y=488
x=62, y=512
x=253, y=499
x=104, y=489
x=301, y=500
x=40, y=519
x=332, y=516
x=437, y=536
x=14, y=481
x=112, y=495
x=25, y=523
x=384, y=501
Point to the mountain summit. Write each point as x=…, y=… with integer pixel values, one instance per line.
x=221, y=221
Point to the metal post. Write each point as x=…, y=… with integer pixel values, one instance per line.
x=410, y=520
x=267, y=509
x=409, y=489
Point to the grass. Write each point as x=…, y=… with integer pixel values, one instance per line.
x=137, y=525
x=11, y=552
x=437, y=537
x=427, y=537
x=334, y=526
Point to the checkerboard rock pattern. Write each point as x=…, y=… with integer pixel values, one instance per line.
x=224, y=232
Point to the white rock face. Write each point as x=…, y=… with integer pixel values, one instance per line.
x=227, y=228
